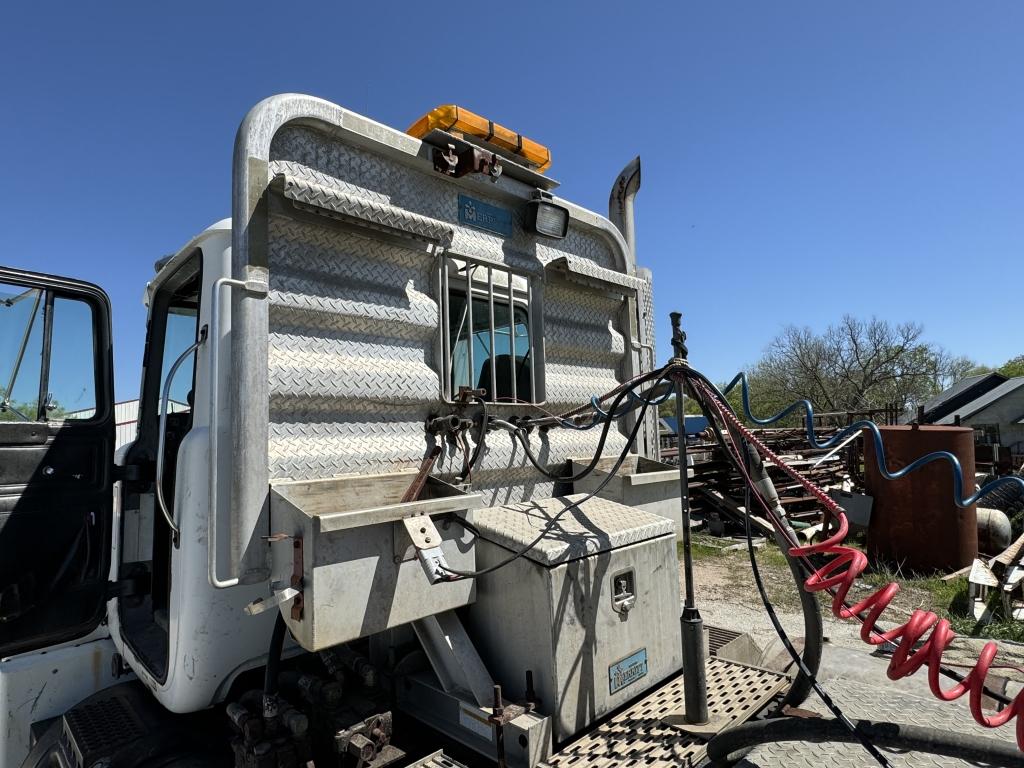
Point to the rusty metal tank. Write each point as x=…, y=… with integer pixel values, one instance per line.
x=915, y=523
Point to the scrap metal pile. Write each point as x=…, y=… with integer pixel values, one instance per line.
x=717, y=488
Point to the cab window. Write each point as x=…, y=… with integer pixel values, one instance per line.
x=47, y=356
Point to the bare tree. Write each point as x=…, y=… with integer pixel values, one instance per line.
x=853, y=365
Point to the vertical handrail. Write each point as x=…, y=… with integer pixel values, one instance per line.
x=213, y=521
x=530, y=341
x=446, y=329
x=469, y=318
x=494, y=352
x=512, y=334
x=161, y=443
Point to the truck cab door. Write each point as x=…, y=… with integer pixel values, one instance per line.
x=56, y=458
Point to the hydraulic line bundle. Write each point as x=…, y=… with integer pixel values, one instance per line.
x=838, y=573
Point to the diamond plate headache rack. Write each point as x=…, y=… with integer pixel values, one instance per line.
x=310, y=196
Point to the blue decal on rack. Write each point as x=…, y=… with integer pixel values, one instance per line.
x=627, y=671
x=475, y=213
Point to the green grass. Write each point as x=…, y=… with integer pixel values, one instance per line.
x=950, y=600
x=703, y=547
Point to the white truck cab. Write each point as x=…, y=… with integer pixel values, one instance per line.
x=321, y=369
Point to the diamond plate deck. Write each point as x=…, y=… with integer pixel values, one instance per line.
x=437, y=760
x=637, y=737
x=860, y=700
x=595, y=525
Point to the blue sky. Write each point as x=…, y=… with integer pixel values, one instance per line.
x=801, y=160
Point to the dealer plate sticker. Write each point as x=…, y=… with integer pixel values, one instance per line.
x=475, y=213
x=627, y=671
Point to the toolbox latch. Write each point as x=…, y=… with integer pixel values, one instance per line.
x=624, y=591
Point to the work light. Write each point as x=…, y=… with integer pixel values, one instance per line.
x=545, y=217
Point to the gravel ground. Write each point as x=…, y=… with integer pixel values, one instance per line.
x=728, y=598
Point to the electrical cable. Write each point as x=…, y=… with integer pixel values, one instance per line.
x=549, y=526
x=842, y=571
x=858, y=426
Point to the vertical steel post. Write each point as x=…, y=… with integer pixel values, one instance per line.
x=695, y=685
x=470, y=269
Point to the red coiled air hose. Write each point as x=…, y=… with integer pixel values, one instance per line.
x=838, y=576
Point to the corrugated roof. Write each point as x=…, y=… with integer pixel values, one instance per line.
x=956, y=389
x=983, y=402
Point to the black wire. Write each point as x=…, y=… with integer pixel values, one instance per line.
x=946, y=672
x=478, y=449
x=606, y=426
x=770, y=609
x=459, y=575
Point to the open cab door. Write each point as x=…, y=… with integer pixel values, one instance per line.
x=56, y=458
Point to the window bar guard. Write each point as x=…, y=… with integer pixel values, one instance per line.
x=470, y=269
x=530, y=341
x=512, y=335
x=446, y=327
x=493, y=394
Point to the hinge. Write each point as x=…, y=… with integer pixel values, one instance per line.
x=140, y=584
x=131, y=473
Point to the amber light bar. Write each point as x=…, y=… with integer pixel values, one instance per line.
x=452, y=118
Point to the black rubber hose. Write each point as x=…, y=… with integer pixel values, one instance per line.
x=605, y=427
x=914, y=738
x=481, y=439
x=550, y=525
x=814, y=631
x=814, y=634
x=273, y=667
x=944, y=671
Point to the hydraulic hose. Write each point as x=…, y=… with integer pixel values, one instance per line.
x=644, y=401
x=814, y=632
x=718, y=396
x=273, y=668
x=455, y=575
x=809, y=663
x=900, y=736
x=838, y=576
x=876, y=436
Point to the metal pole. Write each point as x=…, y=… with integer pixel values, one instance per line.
x=695, y=684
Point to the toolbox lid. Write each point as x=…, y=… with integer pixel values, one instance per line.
x=591, y=526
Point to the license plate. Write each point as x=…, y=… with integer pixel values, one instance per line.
x=627, y=671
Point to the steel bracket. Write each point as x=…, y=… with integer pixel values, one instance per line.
x=467, y=159
x=426, y=540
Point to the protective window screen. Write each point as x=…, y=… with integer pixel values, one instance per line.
x=21, y=351
x=71, y=393
x=488, y=341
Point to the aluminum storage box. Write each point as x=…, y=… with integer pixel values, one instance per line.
x=360, y=574
x=592, y=610
x=640, y=482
